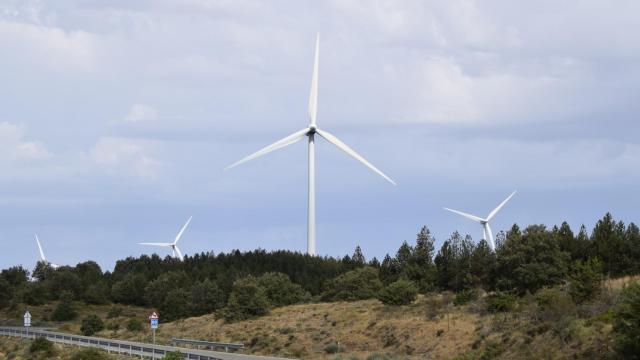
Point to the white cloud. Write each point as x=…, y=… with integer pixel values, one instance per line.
x=125, y=158
x=141, y=112
x=14, y=148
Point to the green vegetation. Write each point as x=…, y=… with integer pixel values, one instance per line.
x=173, y=356
x=41, y=347
x=626, y=325
x=90, y=354
x=359, y=284
x=401, y=292
x=135, y=325
x=91, y=325
x=248, y=299
x=65, y=309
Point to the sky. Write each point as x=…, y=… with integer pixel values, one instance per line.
x=118, y=117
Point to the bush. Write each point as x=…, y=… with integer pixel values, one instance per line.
x=43, y=346
x=134, y=324
x=554, y=305
x=247, y=300
x=501, y=302
x=359, y=284
x=401, y=292
x=114, y=312
x=332, y=348
x=91, y=325
x=65, y=310
x=175, y=355
x=280, y=290
x=465, y=296
x=90, y=354
x=585, y=280
x=626, y=322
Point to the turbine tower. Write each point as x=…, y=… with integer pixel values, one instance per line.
x=42, y=257
x=175, y=251
x=486, y=229
x=310, y=132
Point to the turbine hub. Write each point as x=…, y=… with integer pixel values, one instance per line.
x=312, y=130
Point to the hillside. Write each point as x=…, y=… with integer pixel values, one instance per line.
x=425, y=329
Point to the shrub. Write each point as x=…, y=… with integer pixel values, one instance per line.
x=465, y=296
x=205, y=298
x=359, y=284
x=554, y=305
x=332, y=348
x=585, y=280
x=247, y=300
x=41, y=345
x=626, y=322
x=89, y=354
x=65, y=310
x=175, y=355
x=501, y=302
x=280, y=290
x=114, y=312
x=401, y=292
x=91, y=325
x=134, y=324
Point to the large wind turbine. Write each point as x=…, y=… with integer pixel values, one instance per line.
x=310, y=133
x=486, y=229
x=42, y=257
x=175, y=252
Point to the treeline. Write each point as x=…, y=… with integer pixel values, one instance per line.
x=239, y=285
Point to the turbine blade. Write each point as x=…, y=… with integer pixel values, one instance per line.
x=468, y=216
x=495, y=211
x=492, y=242
x=40, y=249
x=177, y=251
x=342, y=146
x=182, y=230
x=296, y=136
x=156, y=244
x=313, y=96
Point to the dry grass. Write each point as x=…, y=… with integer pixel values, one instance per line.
x=355, y=328
x=18, y=349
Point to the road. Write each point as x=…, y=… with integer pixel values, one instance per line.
x=137, y=349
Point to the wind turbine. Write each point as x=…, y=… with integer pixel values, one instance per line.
x=486, y=229
x=175, y=252
x=310, y=132
x=42, y=257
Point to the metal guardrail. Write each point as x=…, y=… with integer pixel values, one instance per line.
x=208, y=344
x=137, y=349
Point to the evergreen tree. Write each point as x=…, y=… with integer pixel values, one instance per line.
x=445, y=265
x=65, y=310
x=609, y=246
x=531, y=260
x=205, y=298
x=247, y=300
x=280, y=290
x=389, y=270
x=483, y=266
x=359, y=284
x=357, y=258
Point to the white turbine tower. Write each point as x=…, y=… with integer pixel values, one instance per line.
x=175, y=252
x=42, y=257
x=486, y=229
x=310, y=133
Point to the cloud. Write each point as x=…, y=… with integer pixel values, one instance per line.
x=121, y=157
x=14, y=149
x=141, y=112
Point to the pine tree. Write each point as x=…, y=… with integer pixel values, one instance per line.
x=358, y=258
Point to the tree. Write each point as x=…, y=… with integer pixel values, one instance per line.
x=389, y=270
x=280, y=290
x=205, y=298
x=626, y=322
x=156, y=290
x=359, y=284
x=247, y=300
x=530, y=260
x=91, y=325
x=401, y=292
x=483, y=266
x=129, y=290
x=5, y=293
x=445, y=265
x=358, y=258
x=65, y=310
x=585, y=281
x=608, y=245
x=97, y=293
x=175, y=305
